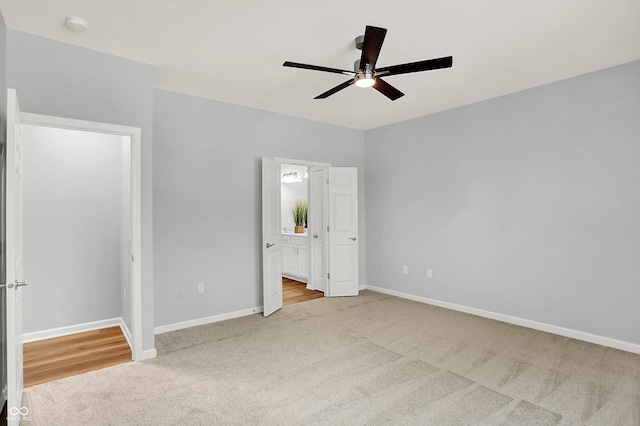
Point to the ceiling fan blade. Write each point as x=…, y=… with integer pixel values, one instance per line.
x=386, y=89
x=373, y=38
x=335, y=89
x=317, y=68
x=429, y=64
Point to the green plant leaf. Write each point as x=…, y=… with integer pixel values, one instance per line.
x=299, y=213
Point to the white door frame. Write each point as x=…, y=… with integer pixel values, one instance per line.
x=301, y=162
x=136, y=247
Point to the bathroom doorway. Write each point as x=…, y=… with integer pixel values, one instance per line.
x=332, y=211
x=296, y=239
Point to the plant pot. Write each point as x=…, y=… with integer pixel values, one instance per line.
x=299, y=229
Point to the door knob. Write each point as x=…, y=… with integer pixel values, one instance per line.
x=18, y=284
x=315, y=235
x=270, y=245
x=352, y=238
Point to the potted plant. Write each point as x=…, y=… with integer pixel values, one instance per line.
x=299, y=213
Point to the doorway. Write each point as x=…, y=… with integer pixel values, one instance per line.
x=296, y=285
x=303, y=251
x=95, y=255
x=76, y=216
x=332, y=211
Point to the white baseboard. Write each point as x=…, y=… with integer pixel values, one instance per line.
x=73, y=329
x=147, y=354
x=207, y=320
x=126, y=332
x=549, y=328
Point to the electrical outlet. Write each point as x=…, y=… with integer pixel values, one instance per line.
x=200, y=288
x=405, y=269
x=429, y=273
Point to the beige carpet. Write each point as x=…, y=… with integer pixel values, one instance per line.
x=372, y=359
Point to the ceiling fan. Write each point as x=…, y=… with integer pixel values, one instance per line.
x=365, y=73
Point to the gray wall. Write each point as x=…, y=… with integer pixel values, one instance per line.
x=72, y=220
x=525, y=205
x=207, y=198
x=57, y=79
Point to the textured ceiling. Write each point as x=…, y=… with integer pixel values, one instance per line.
x=232, y=51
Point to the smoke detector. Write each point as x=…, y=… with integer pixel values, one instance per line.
x=76, y=24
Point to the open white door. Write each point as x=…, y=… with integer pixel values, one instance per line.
x=318, y=228
x=343, y=231
x=14, y=279
x=271, y=237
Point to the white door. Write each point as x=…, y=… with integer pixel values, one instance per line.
x=343, y=231
x=271, y=237
x=14, y=279
x=317, y=228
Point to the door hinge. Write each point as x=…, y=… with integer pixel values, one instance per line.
x=132, y=258
x=327, y=228
x=327, y=181
x=328, y=276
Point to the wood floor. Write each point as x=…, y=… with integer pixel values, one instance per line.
x=53, y=359
x=296, y=292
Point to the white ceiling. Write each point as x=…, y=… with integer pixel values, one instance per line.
x=233, y=50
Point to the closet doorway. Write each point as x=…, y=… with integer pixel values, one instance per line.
x=81, y=228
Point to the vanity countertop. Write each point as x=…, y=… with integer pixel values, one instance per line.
x=293, y=234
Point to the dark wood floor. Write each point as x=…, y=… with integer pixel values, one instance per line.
x=53, y=359
x=296, y=292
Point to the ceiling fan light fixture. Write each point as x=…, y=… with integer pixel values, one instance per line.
x=364, y=79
